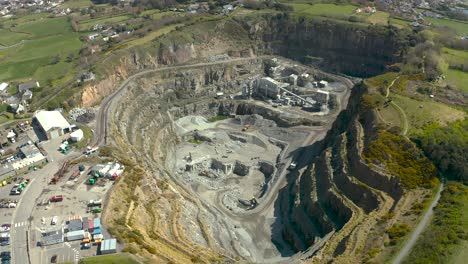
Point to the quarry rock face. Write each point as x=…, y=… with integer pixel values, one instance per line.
x=266, y=167
x=321, y=202
x=241, y=169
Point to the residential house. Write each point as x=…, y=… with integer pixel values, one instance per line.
x=27, y=86
x=27, y=95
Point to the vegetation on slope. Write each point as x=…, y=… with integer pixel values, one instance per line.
x=401, y=158
x=111, y=259
x=447, y=234
x=447, y=148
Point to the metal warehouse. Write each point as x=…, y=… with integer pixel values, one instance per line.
x=109, y=246
x=52, y=123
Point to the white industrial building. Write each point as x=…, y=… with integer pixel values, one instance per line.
x=52, y=123
x=267, y=87
x=77, y=135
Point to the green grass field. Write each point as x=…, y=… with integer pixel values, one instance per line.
x=323, y=9
x=400, y=23
x=110, y=259
x=378, y=17
x=430, y=112
x=76, y=3
x=86, y=25
x=455, y=57
x=8, y=38
x=37, y=55
x=45, y=27
x=459, y=27
x=457, y=78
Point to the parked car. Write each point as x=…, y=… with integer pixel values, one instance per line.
x=15, y=191
x=86, y=246
x=5, y=255
x=54, y=220
x=56, y=198
x=53, y=259
x=5, y=228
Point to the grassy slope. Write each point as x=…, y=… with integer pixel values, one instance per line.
x=378, y=18
x=429, y=113
x=88, y=24
x=47, y=38
x=110, y=259
x=444, y=240
x=8, y=38
x=76, y=4
x=460, y=28
x=323, y=9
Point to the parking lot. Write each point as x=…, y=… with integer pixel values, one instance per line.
x=32, y=214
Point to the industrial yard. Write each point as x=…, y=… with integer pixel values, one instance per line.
x=50, y=203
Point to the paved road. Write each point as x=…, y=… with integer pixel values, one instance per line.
x=417, y=232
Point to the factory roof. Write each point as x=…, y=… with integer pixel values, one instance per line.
x=51, y=119
x=29, y=150
x=52, y=237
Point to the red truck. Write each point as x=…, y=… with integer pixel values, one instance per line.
x=56, y=198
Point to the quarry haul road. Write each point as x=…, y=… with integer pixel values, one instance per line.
x=419, y=229
x=102, y=116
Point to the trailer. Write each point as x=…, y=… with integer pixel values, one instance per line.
x=97, y=223
x=75, y=235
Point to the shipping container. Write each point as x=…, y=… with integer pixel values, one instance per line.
x=97, y=222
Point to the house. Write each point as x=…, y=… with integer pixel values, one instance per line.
x=3, y=86
x=367, y=10
x=52, y=123
x=93, y=36
x=227, y=9
x=97, y=27
x=86, y=77
x=27, y=86
x=27, y=95
x=17, y=108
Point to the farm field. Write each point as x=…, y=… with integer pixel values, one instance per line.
x=8, y=38
x=44, y=27
x=378, y=17
x=42, y=56
x=459, y=27
x=76, y=3
x=86, y=25
x=323, y=9
x=430, y=112
x=457, y=78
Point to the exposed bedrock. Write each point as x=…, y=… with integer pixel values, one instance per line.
x=331, y=181
x=317, y=201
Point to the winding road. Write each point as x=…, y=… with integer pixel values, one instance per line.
x=419, y=229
